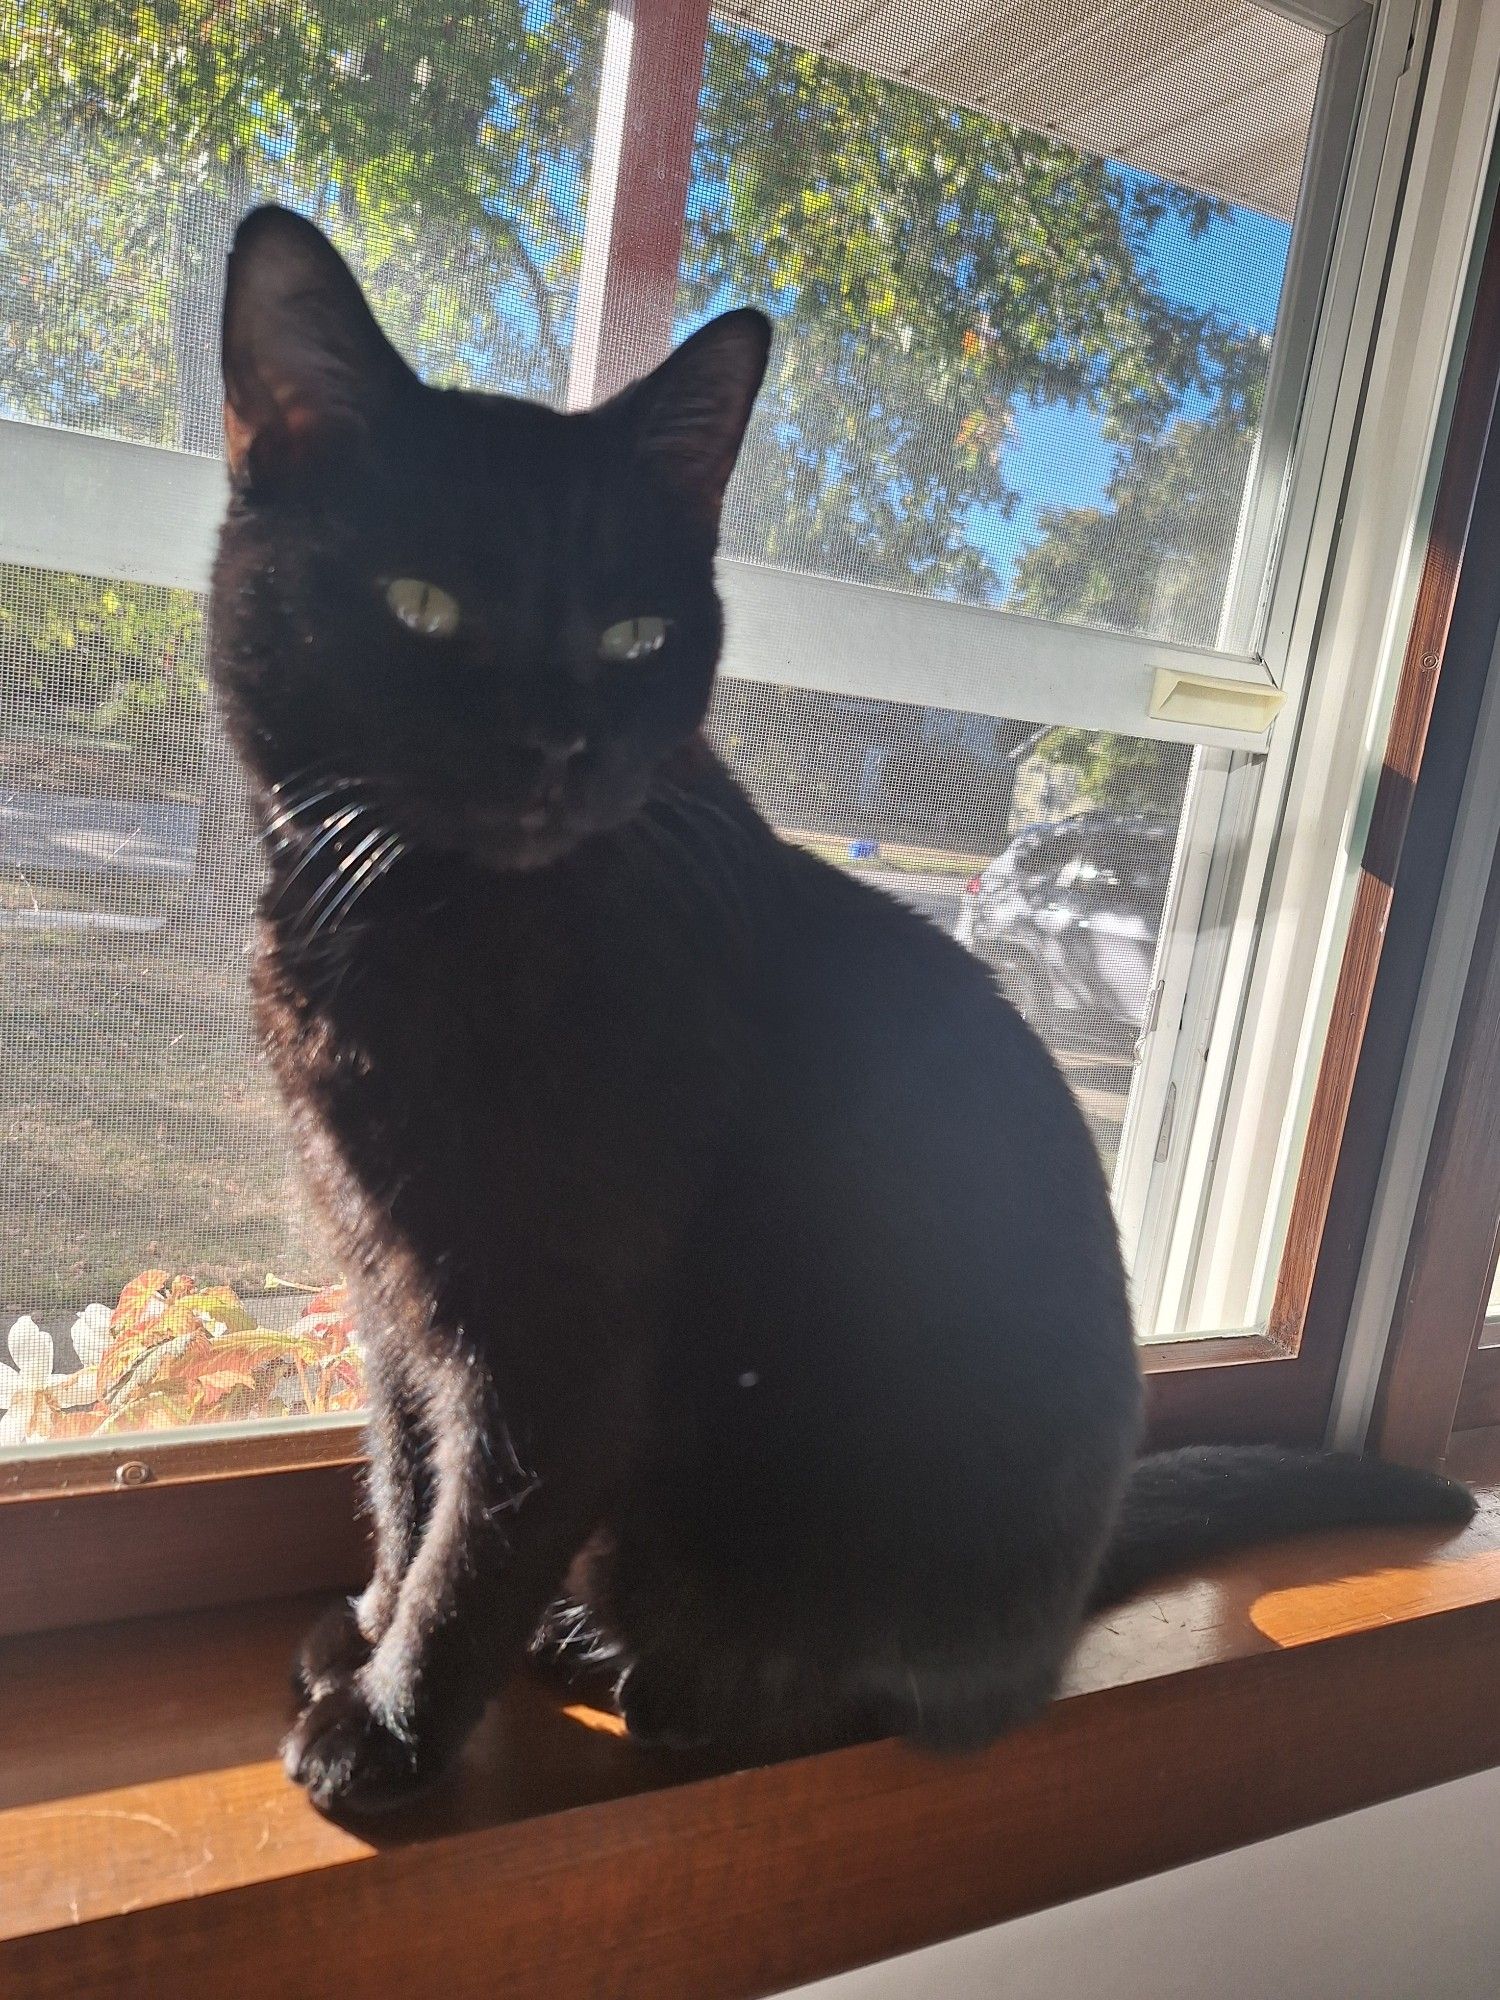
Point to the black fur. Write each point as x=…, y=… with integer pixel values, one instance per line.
x=1182, y=1507
x=740, y=1283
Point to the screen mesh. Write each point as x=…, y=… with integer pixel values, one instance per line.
x=1026, y=263
x=1026, y=258
x=141, y=1133
x=446, y=154
x=1047, y=852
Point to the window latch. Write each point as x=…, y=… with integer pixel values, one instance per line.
x=1206, y=701
x=1148, y=1025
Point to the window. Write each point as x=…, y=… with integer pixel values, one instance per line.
x=156, y=1259
x=1067, y=569
x=1047, y=852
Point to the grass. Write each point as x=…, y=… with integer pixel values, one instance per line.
x=138, y=1127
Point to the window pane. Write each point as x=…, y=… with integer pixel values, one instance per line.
x=451, y=167
x=1027, y=265
x=1046, y=852
x=157, y=1266
x=141, y=1132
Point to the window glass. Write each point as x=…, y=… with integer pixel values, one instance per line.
x=1027, y=265
x=1046, y=852
x=445, y=151
x=157, y=1265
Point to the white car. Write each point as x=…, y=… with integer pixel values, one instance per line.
x=1068, y=916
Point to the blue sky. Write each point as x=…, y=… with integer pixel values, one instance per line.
x=1058, y=457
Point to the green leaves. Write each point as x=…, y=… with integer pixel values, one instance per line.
x=388, y=127
x=930, y=271
x=1157, y=560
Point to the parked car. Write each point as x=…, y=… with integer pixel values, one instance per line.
x=1068, y=916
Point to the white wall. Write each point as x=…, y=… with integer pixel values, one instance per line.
x=1399, y=1902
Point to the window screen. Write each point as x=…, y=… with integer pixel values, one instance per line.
x=157, y=1266
x=445, y=151
x=1047, y=852
x=1026, y=263
x=1029, y=264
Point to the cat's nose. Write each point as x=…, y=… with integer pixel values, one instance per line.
x=554, y=752
x=555, y=758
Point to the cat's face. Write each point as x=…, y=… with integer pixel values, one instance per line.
x=499, y=620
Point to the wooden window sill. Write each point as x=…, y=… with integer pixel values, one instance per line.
x=149, y=1844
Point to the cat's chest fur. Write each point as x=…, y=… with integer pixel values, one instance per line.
x=509, y=1068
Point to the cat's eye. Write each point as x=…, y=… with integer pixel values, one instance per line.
x=634, y=639
x=422, y=607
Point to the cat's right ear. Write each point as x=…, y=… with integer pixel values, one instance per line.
x=304, y=362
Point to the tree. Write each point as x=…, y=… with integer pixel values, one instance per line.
x=443, y=147
x=1155, y=559
x=440, y=147
x=929, y=269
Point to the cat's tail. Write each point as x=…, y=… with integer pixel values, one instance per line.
x=1183, y=1506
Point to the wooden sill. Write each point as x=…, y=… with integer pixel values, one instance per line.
x=150, y=1846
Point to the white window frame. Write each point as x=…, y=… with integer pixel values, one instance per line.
x=1212, y=1214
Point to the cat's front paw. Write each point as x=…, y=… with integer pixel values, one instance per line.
x=349, y=1761
x=661, y=1706
x=333, y=1649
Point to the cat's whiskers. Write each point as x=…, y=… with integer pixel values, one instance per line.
x=325, y=838
x=341, y=847
x=357, y=881
x=338, y=878
x=295, y=803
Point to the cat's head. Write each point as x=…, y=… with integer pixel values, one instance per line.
x=498, y=620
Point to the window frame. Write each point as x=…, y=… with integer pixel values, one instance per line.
x=1421, y=1383
x=153, y=1540
x=1258, y=996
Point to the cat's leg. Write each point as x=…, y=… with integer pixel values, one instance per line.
x=397, y=1495
x=718, y=1659
x=761, y=1706
x=494, y=1548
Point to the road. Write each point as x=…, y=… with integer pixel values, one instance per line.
x=54, y=831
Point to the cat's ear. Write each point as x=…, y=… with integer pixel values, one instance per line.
x=690, y=414
x=304, y=360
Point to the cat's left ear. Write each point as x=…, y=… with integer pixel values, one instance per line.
x=304, y=361
x=690, y=415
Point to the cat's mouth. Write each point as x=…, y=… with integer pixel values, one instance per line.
x=523, y=836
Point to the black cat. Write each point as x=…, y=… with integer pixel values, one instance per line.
x=724, y=1245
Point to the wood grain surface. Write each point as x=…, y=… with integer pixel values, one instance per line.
x=149, y=1845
